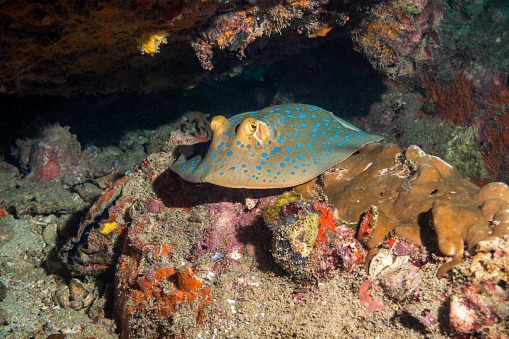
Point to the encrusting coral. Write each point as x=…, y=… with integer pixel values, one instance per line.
x=383, y=187
x=190, y=257
x=308, y=242
x=417, y=197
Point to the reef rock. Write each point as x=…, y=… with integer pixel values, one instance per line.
x=420, y=198
x=308, y=241
x=57, y=156
x=196, y=259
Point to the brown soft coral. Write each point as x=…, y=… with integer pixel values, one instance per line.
x=411, y=194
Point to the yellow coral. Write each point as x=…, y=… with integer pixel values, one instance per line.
x=149, y=42
x=320, y=30
x=387, y=24
x=108, y=227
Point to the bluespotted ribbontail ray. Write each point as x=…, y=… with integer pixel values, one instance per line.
x=278, y=146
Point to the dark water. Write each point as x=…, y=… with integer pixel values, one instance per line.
x=332, y=76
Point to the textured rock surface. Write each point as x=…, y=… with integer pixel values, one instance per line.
x=73, y=47
x=33, y=304
x=208, y=249
x=419, y=197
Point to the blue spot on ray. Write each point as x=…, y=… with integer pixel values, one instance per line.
x=247, y=154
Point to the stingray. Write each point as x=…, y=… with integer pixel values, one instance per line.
x=278, y=146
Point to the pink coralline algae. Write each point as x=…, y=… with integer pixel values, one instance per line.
x=154, y=205
x=57, y=156
x=232, y=228
x=366, y=299
x=402, y=247
x=480, y=307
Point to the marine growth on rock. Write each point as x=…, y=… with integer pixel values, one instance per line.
x=420, y=198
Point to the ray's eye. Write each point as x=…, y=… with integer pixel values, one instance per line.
x=249, y=127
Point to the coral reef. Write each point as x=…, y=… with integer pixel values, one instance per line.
x=399, y=34
x=236, y=30
x=414, y=195
x=307, y=241
x=476, y=97
x=57, y=156
x=70, y=47
x=465, y=81
x=127, y=221
x=179, y=259
x=407, y=118
x=200, y=255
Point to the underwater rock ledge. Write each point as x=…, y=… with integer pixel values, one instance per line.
x=191, y=258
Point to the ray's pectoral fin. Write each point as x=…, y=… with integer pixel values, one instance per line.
x=278, y=146
x=187, y=152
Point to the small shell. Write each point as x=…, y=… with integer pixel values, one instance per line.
x=217, y=256
x=62, y=296
x=77, y=290
x=251, y=203
x=402, y=282
x=380, y=261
